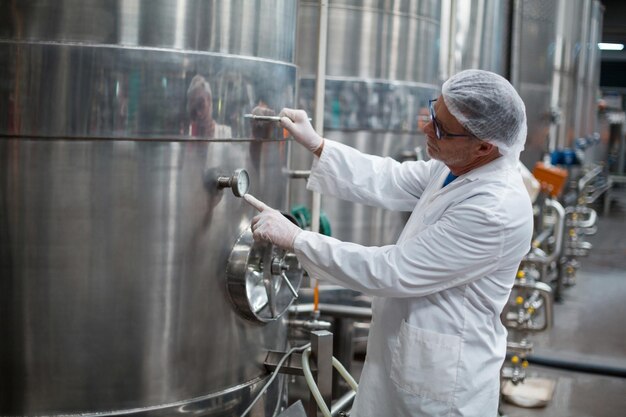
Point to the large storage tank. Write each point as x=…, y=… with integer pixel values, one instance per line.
x=116, y=119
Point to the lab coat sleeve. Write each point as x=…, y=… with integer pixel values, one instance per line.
x=464, y=245
x=346, y=173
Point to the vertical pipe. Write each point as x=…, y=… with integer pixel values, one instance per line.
x=516, y=47
x=593, y=71
x=557, y=75
x=320, y=86
x=446, y=38
x=478, y=34
x=580, y=118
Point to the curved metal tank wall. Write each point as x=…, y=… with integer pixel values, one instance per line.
x=113, y=248
x=532, y=64
x=475, y=35
x=382, y=68
x=569, y=68
x=555, y=69
x=589, y=81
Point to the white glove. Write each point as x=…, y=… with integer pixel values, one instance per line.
x=270, y=225
x=297, y=123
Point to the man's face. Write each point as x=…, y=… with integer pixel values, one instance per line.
x=452, y=151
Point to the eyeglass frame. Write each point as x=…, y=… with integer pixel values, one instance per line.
x=439, y=132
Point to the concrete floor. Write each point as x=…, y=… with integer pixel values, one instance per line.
x=589, y=326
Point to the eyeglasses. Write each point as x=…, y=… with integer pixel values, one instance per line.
x=439, y=132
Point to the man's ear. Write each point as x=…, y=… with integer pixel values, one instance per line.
x=486, y=148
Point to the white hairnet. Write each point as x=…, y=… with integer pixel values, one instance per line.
x=488, y=106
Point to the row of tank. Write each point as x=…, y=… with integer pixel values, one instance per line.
x=128, y=280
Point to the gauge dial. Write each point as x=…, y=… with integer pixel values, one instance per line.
x=240, y=182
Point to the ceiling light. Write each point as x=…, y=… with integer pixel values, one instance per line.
x=611, y=46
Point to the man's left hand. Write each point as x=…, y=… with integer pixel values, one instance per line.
x=270, y=225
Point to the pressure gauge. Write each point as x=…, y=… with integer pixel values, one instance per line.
x=239, y=182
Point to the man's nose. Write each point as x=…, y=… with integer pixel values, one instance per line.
x=428, y=128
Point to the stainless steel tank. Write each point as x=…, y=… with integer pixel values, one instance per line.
x=475, y=35
x=589, y=124
x=554, y=67
x=382, y=68
x=532, y=61
x=569, y=66
x=116, y=120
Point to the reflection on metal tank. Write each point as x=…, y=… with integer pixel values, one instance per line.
x=382, y=68
x=555, y=68
x=587, y=124
x=531, y=69
x=116, y=119
x=475, y=35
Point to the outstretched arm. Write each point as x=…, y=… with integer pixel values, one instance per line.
x=344, y=172
x=446, y=254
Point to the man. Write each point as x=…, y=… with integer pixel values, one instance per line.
x=436, y=343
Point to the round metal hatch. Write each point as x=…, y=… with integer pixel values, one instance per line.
x=262, y=279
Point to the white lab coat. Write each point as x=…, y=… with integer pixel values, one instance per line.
x=436, y=342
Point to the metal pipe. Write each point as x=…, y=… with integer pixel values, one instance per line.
x=588, y=177
x=544, y=291
x=320, y=86
x=558, y=67
x=343, y=403
x=335, y=310
x=447, y=60
x=298, y=173
x=584, y=224
x=478, y=36
x=543, y=236
x=559, y=226
x=581, y=71
x=586, y=367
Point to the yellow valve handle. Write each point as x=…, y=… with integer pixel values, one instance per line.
x=524, y=364
x=515, y=360
x=521, y=274
x=519, y=300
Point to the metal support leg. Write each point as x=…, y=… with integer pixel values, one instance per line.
x=607, y=196
x=322, y=355
x=558, y=291
x=344, y=351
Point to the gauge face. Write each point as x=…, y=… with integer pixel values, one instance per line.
x=241, y=182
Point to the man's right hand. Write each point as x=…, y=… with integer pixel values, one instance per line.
x=297, y=123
